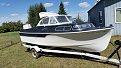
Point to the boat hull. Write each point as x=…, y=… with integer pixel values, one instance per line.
x=92, y=41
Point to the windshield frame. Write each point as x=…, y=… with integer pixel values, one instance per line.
x=68, y=20
x=61, y=17
x=58, y=23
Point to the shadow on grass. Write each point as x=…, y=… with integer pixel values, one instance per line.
x=76, y=57
x=9, y=45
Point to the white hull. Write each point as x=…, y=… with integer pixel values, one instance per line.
x=92, y=41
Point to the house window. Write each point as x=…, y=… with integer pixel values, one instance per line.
x=100, y=16
x=118, y=15
x=101, y=13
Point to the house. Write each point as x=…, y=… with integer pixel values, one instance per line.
x=106, y=12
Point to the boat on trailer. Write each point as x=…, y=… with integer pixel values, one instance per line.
x=54, y=30
x=60, y=31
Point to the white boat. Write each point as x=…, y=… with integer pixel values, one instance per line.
x=55, y=30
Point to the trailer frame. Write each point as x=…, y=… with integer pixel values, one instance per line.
x=36, y=52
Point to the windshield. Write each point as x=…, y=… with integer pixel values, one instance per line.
x=61, y=19
x=70, y=18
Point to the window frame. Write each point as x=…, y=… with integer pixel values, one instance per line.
x=39, y=24
x=115, y=15
x=57, y=23
x=52, y=23
x=44, y=19
x=61, y=16
x=68, y=18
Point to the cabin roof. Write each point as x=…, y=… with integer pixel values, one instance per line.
x=49, y=14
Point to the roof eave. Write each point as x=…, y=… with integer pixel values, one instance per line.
x=95, y=5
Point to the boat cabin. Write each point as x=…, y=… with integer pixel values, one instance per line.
x=62, y=22
x=58, y=23
x=49, y=19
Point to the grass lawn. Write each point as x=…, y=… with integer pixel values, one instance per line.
x=14, y=56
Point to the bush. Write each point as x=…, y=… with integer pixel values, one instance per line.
x=2, y=29
x=11, y=26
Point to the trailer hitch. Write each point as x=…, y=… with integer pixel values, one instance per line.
x=116, y=51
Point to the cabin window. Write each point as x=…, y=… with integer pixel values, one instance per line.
x=52, y=20
x=61, y=19
x=60, y=28
x=69, y=17
x=44, y=21
x=63, y=28
x=67, y=28
x=118, y=15
x=41, y=22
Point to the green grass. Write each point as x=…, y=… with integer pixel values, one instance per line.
x=15, y=56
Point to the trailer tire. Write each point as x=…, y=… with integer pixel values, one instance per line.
x=35, y=54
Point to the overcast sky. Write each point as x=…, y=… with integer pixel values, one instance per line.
x=14, y=10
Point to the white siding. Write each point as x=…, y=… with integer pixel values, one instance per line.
x=110, y=18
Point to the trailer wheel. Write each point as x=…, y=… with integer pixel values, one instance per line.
x=35, y=54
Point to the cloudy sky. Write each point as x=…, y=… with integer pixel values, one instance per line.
x=14, y=10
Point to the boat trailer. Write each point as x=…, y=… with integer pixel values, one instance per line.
x=36, y=51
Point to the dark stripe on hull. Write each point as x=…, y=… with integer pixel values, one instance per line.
x=52, y=29
x=33, y=35
x=47, y=29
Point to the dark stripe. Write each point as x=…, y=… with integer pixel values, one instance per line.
x=51, y=29
x=33, y=35
x=47, y=29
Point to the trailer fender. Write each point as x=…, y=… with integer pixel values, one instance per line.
x=36, y=48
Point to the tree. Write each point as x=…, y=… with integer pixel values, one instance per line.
x=61, y=9
x=78, y=19
x=33, y=14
